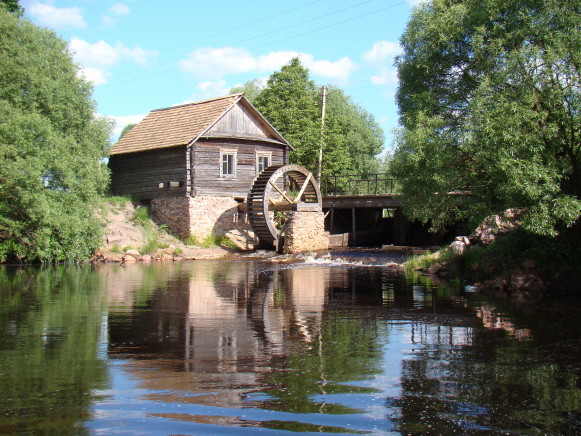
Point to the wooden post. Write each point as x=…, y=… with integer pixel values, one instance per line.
x=354, y=226
x=320, y=161
x=332, y=220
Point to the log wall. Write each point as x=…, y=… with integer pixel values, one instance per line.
x=206, y=166
x=139, y=174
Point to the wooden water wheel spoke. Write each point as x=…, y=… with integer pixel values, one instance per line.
x=281, y=192
x=270, y=198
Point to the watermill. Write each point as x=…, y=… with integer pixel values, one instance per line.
x=277, y=190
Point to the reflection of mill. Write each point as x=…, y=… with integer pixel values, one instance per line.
x=223, y=325
x=241, y=322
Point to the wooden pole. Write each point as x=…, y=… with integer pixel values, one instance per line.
x=354, y=226
x=320, y=162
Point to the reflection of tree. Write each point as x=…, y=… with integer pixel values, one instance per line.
x=347, y=351
x=448, y=390
x=49, y=331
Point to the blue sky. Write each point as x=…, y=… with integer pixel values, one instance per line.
x=144, y=54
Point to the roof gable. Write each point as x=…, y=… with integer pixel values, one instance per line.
x=229, y=116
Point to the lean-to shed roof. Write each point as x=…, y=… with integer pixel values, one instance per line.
x=181, y=125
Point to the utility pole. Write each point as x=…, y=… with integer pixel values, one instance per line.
x=323, y=105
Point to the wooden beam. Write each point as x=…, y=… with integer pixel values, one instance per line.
x=280, y=191
x=299, y=195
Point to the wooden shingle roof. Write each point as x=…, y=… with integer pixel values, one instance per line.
x=174, y=126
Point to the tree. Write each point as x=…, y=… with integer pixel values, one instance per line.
x=353, y=139
x=12, y=6
x=291, y=102
x=251, y=89
x=489, y=100
x=126, y=129
x=51, y=145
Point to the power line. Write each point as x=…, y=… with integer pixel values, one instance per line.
x=254, y=37
x=269, y=43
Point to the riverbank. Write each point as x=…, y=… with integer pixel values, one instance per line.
x=502, y=260
x=132, y=236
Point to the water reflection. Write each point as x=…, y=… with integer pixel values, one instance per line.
x=213, y=347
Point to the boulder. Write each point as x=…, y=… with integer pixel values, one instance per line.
x=458, y=248
x=133, y=253
x=245, y=240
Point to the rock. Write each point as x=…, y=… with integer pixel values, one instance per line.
x=457, y=248
x=114, y=257
x=146, y=258
x=495, y=225
x=527, y=281
x=128, y=259
x=394, y=267
x=114, y=239
x=245, y=240
x=464, y=239
x=434, y=268
x=529, y=264
x=133, y=253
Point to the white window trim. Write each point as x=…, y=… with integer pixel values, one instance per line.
x=235, y=163
x=259, y=154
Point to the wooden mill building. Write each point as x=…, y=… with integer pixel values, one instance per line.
x=195, y=163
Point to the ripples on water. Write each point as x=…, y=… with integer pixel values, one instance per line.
x=328, y=344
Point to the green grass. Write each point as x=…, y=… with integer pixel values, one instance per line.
x=209, y=242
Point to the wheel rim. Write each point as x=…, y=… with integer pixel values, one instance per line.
x=276, y=190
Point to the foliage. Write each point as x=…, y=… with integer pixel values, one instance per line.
x=51, y=144
x=251, y=89
x=152, y=232
x=126, y=129
x=291, y=102
x=489, y=102
x=12, y=6
x=353, y=138
x=51, y=324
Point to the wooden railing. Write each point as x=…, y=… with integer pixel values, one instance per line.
x=357, y=184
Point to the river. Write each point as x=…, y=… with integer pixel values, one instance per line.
x=330, y=345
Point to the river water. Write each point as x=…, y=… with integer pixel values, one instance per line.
x=330, y=345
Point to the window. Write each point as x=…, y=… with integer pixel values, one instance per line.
x=227, y=164
x=262, y=162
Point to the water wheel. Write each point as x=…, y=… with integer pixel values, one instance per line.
x=279, y=189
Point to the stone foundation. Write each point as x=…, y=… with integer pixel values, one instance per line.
x=199, y=216
x=305, y=231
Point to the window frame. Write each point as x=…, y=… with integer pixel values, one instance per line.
x=223, y=154
x=259, y=155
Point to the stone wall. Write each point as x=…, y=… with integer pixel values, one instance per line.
x=305, y=231
x=199, y=216
x=174, y=213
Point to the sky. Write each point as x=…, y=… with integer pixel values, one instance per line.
x=142, y=55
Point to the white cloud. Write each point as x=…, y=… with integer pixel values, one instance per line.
x=115, y=11
x=210, y=62
x=339, y=70
x=416, y=2
x=96, y=58
x=95, y=75
x=122, y=120
x=386, y=76
x=119, y=9
x=382, y=52
x=207, y=89
x=57, y=18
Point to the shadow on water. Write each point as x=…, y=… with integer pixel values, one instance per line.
x=324, y=345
